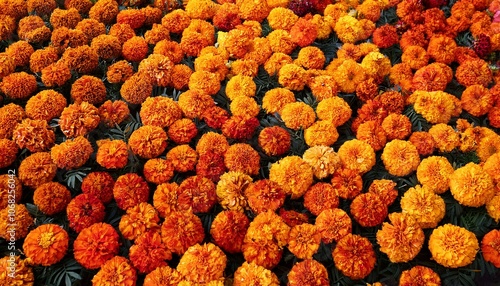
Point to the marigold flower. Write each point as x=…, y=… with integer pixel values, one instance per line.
x=244, y=106
x=83, y=211
x=130, y=190
x=183, y=157
x=82, y=59
x=429, y=78
x=476, y=99
x=6, y=184
x=226, y=17
x=281, y=42
x=95, y=245
x=435, y=107
x=453, y=246
x=400, y=157
x=46, y=244
x=212, y=141
x=419, y=275
x=320, y=197
x=88, y=88
x=196, y=36
x=298, y=115
x=160, y=111
x=396, y=126
x=489, y=247
x=32, y=29
x=385, y=189
x=348, y=75
x=357, y=155
x=83, y=6
x=180, y=230
x=21, y=52
x=34, y=135
x=148, y=252
x=424, y=205
x=304, y=240
x=193, y=103
x=133, y=17
x=56, y=74
x=72, y=153
x=474, y=71
x=293, y=218
x=274, y=100
x=91, y=28
x=113, y=112
x=445, y=137
x=231, y=188
x=104, y=11
x=228, y=230
x=310, y=58
x=65, y=18
x=23, y=222
x=8, y=26
x=243, y=158
x=158, y=171
x=240, y=85
x=112, y=154
x=368, y=209
x=122, y=31
x=119, y=72
x=376, y=65
x=193, y=264
x=424, y=142
x=275, y=62
x=354, y=256
x=385, y=36
x=348, y=183
x=42, y=58
x=106, y=46
x=323, y=87
x=372, y=133
x=99, y=185
x=434, y=172
x=293, y=174
x=197, y=194
x=415, y=56
x=165, y=198
x=176, y=21
x=9, y=151
x=264, y=195
x=239, y=127
x=251, y=273
x=163, y=275
x=19, y=85
x=308, y=272
x=471, y=186
x=37, y=169
x=116, y=270
x=275, y=141
x=138, y=220
x=45, y=105
x=148, y=141
x=323, y=160
x=292, y=77
x=135, y=49
x=303, y=32
x=22, y=274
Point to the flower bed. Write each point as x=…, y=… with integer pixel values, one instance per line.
x=249, y=142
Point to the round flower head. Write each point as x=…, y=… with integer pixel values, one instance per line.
x=170, y=49
x=396, y=126
x=157, y=33
x=323, y=87
x=194, y=103
x=88, y=88
x=293, y=174
x=63, y=38
x=83, y=211
x=215, y=116
x=10, y=115
x=23, y=222
x=211, y=165
x=137, y=88
x=240, y=128
x=8, y=65
x=240, y=85
x=253, y=274
x=308, y=272
x=182, y=131
x=434, y=172
x=180, y=230
x=292, y=77
x=148, y=141
x=423, y=141
x=385, y=36
x=333, y=224
x=357, y=155
x=320, y=197
x=243, y=158
x=180, y=76
x=91, y=27
x=476, y=99
x=275, y=62
x=275, y=141
x=432, y=77
x=474, y=71
x=107, y=46
x=453, y=246
x=165, y=198
x=130, y=190
x=228, y=230
x=205, y=81
x=37, y=169
x=493, y=207
x=321, y=132
x=304, y=240
x=158, y=171
x=65, y=18
x=415, y=56
x=311, y=58
x=244, y=106
x=158, y=67
x=133, y=17
x=112, y=154
x=148, y=252
x=376, y=65
x=419, y=275
x=116, y=271
x=9, y=186
x=196, y=194
x=78, y=119
x=400, y=157
x=19, y=85
x=425, y=206
x=46, y=244
x=198, y=35
x=298, y=115
x=82, y=59
x=56, y=74
x=104, y=11
x=303, y=32
x=226, y=18
x=59, y=198
x=372, y=133
x=9, y=151
x=435, y=107
x=212, y=141
x=368, y=209
x=489, y=145
x=401, y=239
x=160, y=111
x=183, y=157
x=354, y=256
x=193, y=264
x=113, y=112
x=471, y=186
x=72, y=153
x=491, y=166
x=22, y=273
x=323, y=160
x=95, y=245
x=119, y=72
x=264, y=195
x=347, y=182
x=349, y=75
x=442, y=49
x=385, y=189
x=275, y=100
x=490, y=249
x=230, y=190
x=163, y=276
x=176, y=21
x=139, y=219
x=21, y=52
x=32, y=29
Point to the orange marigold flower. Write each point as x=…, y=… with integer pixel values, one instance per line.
x=107, y=46
x=320, y=197
x=158, y=68
x=99, y=185
x=148, y=141
x=293, y=174
x=228, y=230
x=400, y=157
x=430, y=78
x=226, y=17
x=303, y=32
x=385, y=36
x=419, y=275
x=357, y=155
x=334, y=109
x=251, y=273
x=281, y=18
x=21, y=52
x=113, y=112
x=204, y=81
x=212, y=63
x=231, y=188
x=158, y=171
x=275, y=62
x=193, y=264
x=323, y=87
x=474, y=71
x=354, y=256
x=293, y=218
x=471, y=186
x=239, y=127
x=368, y=209
x=104, y=11
x=292, y=77
x=453, y=246
x=477, y=100
x=42, y=58
x=298, y=115
x=8, y=65
x=310, y=58
x=23, y=222
x=490, y=247
x=244, y=106
x=304, y=240
x=445, y=137
x=133, y=17
x=130, y=190
x=211, y=165
x=148, y=252
x=122, y=31
x=243, y=158
x=157, y=33
x=424, y=142
x=402, y=75
x=119, y=72
x=199, y=36
x=82, y=59
x=415, y=56
x=9, y=151
x=372, y=133
x=32, y=29
x=112, y=154
x=19, y=85
x=116, y=270
x=385, y=189
x=424, y=205
x=135, y=49
x=240, y=85
x=308, y=272
x=138, y=220
x=180, y=230
x=183, y=157
x=83, y=211
x=88, y=88
x=281, y=42
x=253, y=10
x=163, y=276
x=72, y=153
x=212, y=141
x=434, y=173
x=12, y=114
x=401, y=239
x=46, y=244
x=176, y=21
x=91, y=27
x=65, y=18
x=196, y=194
x=180, y=76
x=95, y=245
x=56, y=74
x=348, y=183
x=194, y=103
x=323, y=160
x=34, y=135
x=333, y=224
x=22, y=273
x=160, y=111
x=264, y=195
x=274, y=100
x=201, y=9
x=435, y=106
x=275, y=141
x=348, y=75
x=8, y=26
x=37, y=169
x=396, y=126
x=9, y=185
x=165, y=198
x=491, y=166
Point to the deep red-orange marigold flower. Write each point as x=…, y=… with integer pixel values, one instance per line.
x=264, y=195
x=148, y=252
x=88, y=88
x=275, y=141
x=130, y=190
x=354, y=256
x=385, y=36
x=183, y=157
x=59, y=197
x=347, y=182
x=180, y=230
x=308, y=272
x=99, y=185
x=228, y=230
x=95, y=245
x=83, y=211
x=368, y=209
x=197, y=194
x=333, y=224
x=148, y=141
x=116, y=270
x=138, y=220
x=490, y=247
x=72, y=153
x=419, y=276
x=320, y=197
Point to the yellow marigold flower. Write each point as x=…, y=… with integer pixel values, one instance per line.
x=148, y=252
x=46, y=244
x=163, y=276
x=445, y=137
x=23, y=222
x=323, y=160
x=281, y=18
x=308, y=272
x=253, y=274
x=9, y=151
x=357, y=155
x=434, y=173
x=471, y=186
x=183, y=157
x=19, y=85
x=275, y=99
x=400, y=157
x=228, y=230
x=323, y=26
x=116, y=271
x=424, y=205
x=201, y=9
x=148, y=141
x=130, y=190
x=292, y=77
x=348, y=75
x=401, y=239
x=348, y=29
x=9, y=185
x=16, y=271
x=354, y=256
x=240, y=85
x=37, y=169
x=78, y=119
x=298, y=115
x=275, y=62
x=87, y=250
x=160, y=111
x=376, y=65
x=264, y=195
x=34, y=135
x=419, y=275
x=165, y=198
x=112, y=154
x=304, y=240
x=293, y=174
x=453, y=246
x=322, y=132
x=72, y=153
x=196, y=194
x=180, y=230
x=193, y=264
x=212, y=141
x=194, y=102
x=243, y=158
x=231, y=188
x=138, y=220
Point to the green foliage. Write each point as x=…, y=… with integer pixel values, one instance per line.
x=65, y=272
x=418, y=122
